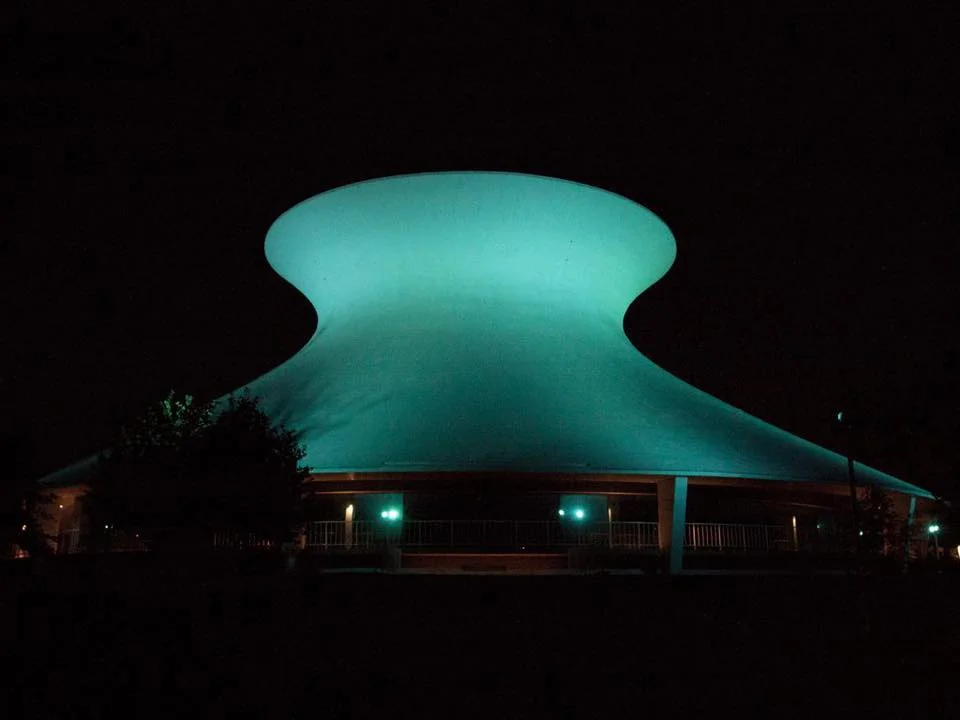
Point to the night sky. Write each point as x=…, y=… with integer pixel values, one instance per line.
x=805, y=161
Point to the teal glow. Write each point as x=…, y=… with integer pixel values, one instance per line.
x=933, y=529
x=385, y=508
x=578, y=508
x=474, y=321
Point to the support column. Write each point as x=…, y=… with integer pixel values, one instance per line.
x=348, y=527
x=672, y=519
x=908, y=520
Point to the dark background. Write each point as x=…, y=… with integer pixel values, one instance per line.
x=804, y=158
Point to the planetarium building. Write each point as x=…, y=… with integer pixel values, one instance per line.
x=469, y=388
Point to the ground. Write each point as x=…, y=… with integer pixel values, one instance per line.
x=135, y=636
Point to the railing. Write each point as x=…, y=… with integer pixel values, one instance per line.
x=527, y=535
x=239, y=541
x=485, y=534
x=504, y=535
x=68, y=542
x=635, y=535
x=743, y=538
x=74, y=540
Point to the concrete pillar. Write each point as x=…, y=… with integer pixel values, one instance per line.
x=348, y=527
x=672, y=519
x=906, y=509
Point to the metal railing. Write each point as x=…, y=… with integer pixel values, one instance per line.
x=502, y=535
x=485, y=534
x=738, y=537
x=74, y=540
x=635, y=535
x=526, y=535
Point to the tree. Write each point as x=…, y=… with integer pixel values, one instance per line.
x=253, y=467
x=186, y=469
x=878, y=522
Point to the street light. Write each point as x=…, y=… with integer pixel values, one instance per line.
x=934, y=530
x=847, y=425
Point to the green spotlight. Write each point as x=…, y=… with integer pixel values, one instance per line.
x=578, y=514
x=933, y=529
x=390, y=514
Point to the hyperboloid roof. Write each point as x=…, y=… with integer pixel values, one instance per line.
x=473, y=321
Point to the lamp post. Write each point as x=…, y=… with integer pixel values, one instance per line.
x=846, y=425
x=934, y=530
x=610, y=527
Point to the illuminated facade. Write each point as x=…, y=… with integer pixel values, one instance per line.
x=470, y=325
x=474, y=321
x=470, y=345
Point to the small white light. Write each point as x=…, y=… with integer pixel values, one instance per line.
x=562, y=512
x=24, y=527
x=61, y=507
x=578, y=513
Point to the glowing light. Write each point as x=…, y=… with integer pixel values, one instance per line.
x=390, y=514
x=562, y=512
x=934, y=529
x=61, y=507
x=24, y=527
x=395, y=267
x=861, y=533
x=578, y=514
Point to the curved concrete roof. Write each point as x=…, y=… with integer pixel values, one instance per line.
x=473, y=321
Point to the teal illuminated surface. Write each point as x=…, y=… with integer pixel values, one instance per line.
x=474, y=321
